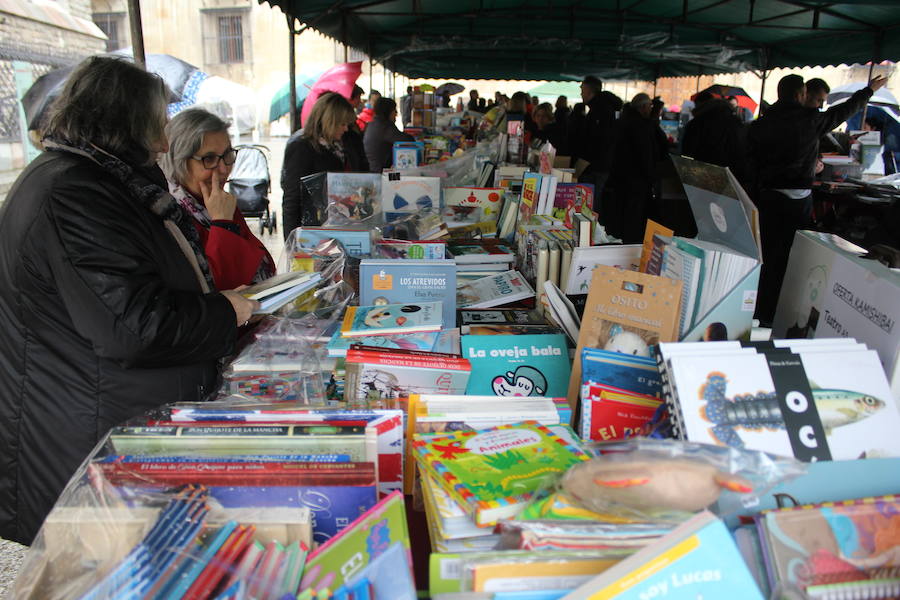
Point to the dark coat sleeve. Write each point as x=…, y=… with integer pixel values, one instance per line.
x=836, y=115
x=298, y=162
x=115, y=292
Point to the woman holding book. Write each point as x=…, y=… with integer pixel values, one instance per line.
x=107, y=303
x=197, y=166
x=316, y=148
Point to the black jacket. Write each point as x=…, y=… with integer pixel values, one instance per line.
x=784, y=142
x=102, y=319
x=302, y=158
x=717, y=136
x=596, y=142
x=639, y=144
x=379, y=138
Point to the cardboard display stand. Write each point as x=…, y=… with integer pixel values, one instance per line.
x=829, y=290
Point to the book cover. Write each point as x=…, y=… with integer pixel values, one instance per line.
x=698, y=559
x=361, y=542
x=357, y=241
x=608, y=415
x=493, y=472
x=487, y=199
x=375, y=375
x=339, y=345
x=570, y=198
x=494, y=290
x=517, y=365
x=731, y=400
x=585, y=259
x=500, y=316
x=353, y=197
x=637, y=374
x=403, y=193
x=484, y=252
x=336, y=493
x=653, y=229
x=627, y=312
x=392, y=319
x=410, y=281
x=831, y=543
x=403, y=249
x=531, y=186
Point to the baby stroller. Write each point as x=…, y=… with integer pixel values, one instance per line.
x=250, y=185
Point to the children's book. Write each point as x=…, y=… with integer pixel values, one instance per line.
x=485, y=252
x=499, y=316
x=812, y=405
x=391, y=319
x=636, y=374
x=585, y=259
x=277, y=291
x=403, y=249
x=833, y=543
x=404, y=194
x=494, y=290
x=570, y=198
x=487, y=199
x=356, y=240
x=359, y=544
x=408, y=155
x=698, y=559
x=353, y=197
x=374, y=375
x=414, y=281
x=492, y=473
x=339, y=345
x=517, y=365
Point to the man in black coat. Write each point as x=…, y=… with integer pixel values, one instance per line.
x=381, y=134
x=717, y=136
x=594, y=142
x=784, y=144
x=640, y=144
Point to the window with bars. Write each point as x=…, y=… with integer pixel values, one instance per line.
x=112, y=24
x=231, y=39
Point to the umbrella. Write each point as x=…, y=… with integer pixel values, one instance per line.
x=723, y=91
x=183, y=80
x=449, y=87
x=340, y=79
x=881, y=97
x=281, y=100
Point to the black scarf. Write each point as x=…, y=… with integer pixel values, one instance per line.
x=149, y=193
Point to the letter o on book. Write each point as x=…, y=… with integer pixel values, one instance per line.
x=797, y=402
x=808, y=436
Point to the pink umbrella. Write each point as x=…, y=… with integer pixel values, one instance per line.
x=340, y=78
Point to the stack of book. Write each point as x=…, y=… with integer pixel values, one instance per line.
x=814, y=399
x=475, y=260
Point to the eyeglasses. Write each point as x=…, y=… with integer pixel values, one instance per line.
x=211, y=161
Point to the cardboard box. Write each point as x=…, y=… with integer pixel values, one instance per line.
x=830, y=291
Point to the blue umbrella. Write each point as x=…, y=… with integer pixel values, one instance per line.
x=281, y=100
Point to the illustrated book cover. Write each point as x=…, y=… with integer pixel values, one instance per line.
x=517, y=365
x=392, y=319
x=494, y=290
x=410, y=281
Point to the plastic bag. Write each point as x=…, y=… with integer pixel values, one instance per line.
x=328, y=257
x=658, y=481
x=578, y=535
x=353, y=199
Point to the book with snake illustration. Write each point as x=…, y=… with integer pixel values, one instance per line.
x=493, y=472
x=730, y=400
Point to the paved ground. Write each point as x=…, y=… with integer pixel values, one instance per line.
x=11, y=553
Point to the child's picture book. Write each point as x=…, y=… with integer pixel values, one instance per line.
x=408, y=155
x=698, y=559
x=357, y=241
x=358, y=545
x=353, y=197
x=493, y=472
x=586, y=258
x=494, y=290
x=484, y=252
x=636, y=374
x=569, y=200
x=399, y=281
x=487, y=199
x=404, y=194
x=426, y=341
x=404, y=249
x=499, y=316
x=391, y=319
x=517, y=365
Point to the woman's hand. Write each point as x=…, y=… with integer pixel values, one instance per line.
x=219, y=203
x=243, y=307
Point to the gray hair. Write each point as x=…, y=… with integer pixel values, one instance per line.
x=640, y=100
x=185, y=133
x=111, y=103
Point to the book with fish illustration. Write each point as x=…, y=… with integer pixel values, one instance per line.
x=493, y=472
x=391, y=319
x=848, y=542
x=761, y=401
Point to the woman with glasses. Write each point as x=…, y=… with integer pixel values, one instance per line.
x=316, y=148
x=197, y=166
x=107, y=306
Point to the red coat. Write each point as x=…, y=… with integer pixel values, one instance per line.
x=364, y=118
x=233, y=259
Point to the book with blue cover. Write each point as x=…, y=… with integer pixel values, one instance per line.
x=415, y=281
x=637, y=374
x=698, y=559
x=427, y=341
x=357, y=240
x=389, y=319
x=517, y=365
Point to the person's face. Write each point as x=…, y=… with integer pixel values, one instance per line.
x=733, y=104
x=373, y=98
x=214, y=144
x=586, y=93
x=541, y=119
x=644, y=109
x=816, y=99
x=339, y=132
x=393, y=115
x=561, y=102
x=355, y=101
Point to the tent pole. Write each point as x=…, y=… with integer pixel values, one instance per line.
x=762, y=91
x=698, y=84
x=862, y=122
x=292, y=77
x=137, y=33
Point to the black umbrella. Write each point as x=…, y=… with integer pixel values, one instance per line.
x=178, y=75
x=451, y=87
